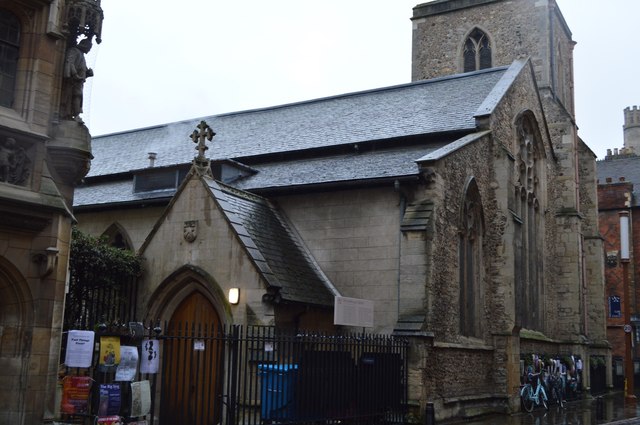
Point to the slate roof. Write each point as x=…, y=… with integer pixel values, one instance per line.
x=275, y=249
x=627, y=166
x=424, y=107
x=393, y=114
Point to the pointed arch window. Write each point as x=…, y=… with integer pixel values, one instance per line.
x=477, y=51
x=529, y=229
x=117, y=237
x=9, y=48
x=470, y=262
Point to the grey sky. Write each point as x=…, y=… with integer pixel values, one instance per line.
x=160, y=63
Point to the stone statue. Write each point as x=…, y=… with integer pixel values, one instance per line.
x=75, y=74
x=14, y=163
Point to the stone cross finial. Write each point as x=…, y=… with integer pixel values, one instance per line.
x=199, y=137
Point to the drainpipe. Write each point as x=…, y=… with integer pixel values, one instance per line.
x=403, y=205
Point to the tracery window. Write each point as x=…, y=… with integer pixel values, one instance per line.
x=477, y=51
x=117, y=237
x=470, y=262
x=9, y=47
x=529, y=229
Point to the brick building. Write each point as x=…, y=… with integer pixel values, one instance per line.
x=618, y=186
x=462, y=204
x=44, y=152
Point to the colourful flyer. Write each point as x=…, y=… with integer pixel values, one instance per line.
x=75, y=395
x=109, y=352
x=109, y=420
x=110, y=400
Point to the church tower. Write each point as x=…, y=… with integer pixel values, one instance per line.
x=631, y=130
x=460, y=36
x=455, y=36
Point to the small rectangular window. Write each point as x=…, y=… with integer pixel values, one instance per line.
x=161, y=180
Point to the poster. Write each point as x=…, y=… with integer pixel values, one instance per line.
x=140, y=398
x=79, y=349
x=149, y=360
x=109, y=353
x=128, y=366
x=110, y=400
x=75, y=395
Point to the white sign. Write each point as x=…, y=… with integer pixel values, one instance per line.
x=140, y=398
x=79, y=349
x=128, y=366
x=353, y=312
x=149, y=361
x=198, y=345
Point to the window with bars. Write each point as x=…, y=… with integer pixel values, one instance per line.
x=477, y=51
x=9, y=48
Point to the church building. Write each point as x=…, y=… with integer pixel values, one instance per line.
x=462, y=204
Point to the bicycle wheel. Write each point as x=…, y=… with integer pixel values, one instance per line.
x=526, y=395
x=559, y=397
x=542, y=396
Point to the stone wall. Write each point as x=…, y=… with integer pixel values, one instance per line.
x=516, y=29
x=354, y=237
x=136, y=222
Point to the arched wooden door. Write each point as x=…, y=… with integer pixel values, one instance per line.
x=191, y=375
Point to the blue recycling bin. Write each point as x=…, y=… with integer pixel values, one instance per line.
x=277, y=390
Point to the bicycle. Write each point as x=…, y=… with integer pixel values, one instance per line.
x=557, y=390
x=556, y=382
x=529, y=396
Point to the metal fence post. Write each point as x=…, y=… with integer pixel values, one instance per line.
x=429, y=415
x=233, y=375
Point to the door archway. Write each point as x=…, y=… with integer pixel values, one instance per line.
x=192, y=370
x=16, y=321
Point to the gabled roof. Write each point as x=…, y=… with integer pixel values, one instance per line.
x=615, y=167
x=274, y=247
x=439, y=105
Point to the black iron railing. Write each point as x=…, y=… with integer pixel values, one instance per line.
x=262, y=375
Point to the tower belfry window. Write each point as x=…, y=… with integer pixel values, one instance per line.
x=477, y=51
x=9, y=47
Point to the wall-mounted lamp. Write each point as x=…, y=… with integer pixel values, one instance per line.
x=234, y=295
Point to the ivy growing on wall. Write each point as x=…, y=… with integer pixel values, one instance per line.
x=102, y=282
x=94, y=262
